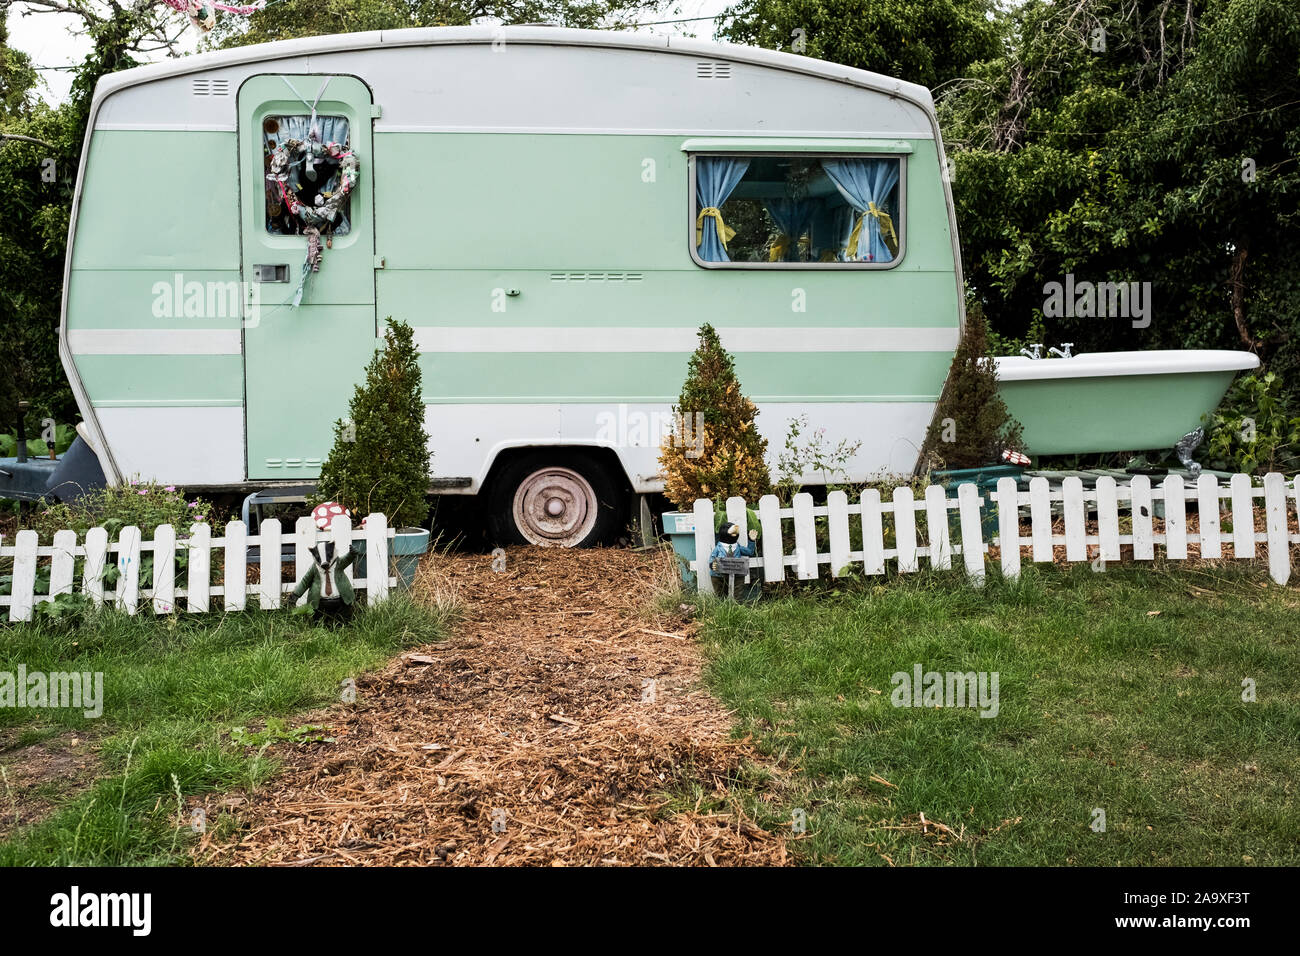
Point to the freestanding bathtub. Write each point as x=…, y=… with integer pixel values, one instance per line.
x=1116, y=401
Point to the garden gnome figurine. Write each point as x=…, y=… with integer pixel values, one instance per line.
x=727, y=550
x=327, y=588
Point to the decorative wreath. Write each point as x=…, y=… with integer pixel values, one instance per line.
x=328, y=205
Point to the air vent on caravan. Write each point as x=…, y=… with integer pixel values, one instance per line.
x=712, y=70
x=210, y=87
x=595, y=276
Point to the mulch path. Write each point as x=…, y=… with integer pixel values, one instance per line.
x=562, y=723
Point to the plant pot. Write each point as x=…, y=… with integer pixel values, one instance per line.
x=407, y=546
x=680, y=528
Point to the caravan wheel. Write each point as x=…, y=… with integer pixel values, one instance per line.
x=568, y=504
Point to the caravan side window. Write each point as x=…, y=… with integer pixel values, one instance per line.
x=312, y=172
x=778, y=211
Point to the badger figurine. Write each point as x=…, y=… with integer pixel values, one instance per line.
x=327, y=588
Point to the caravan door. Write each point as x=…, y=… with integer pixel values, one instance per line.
x=307, y=334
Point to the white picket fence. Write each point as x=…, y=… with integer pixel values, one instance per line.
x=1040, y=506
x=130, y=593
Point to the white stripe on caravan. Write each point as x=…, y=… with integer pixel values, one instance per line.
x=155, y=341
x=606, y=339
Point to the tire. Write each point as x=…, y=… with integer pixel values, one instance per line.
x=553, y=500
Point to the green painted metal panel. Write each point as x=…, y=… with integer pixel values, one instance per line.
x=301, y=364
x=1132, y=413
x=670, y=299
x=147, y=299
x=513, y=202
x=118, y=380
x=657, y=376
x=158, y=200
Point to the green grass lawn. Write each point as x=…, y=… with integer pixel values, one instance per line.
x=174, y=688
x=1119, y=691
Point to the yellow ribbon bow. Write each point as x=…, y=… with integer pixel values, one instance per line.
x=887, y=233
x=725, y=232
x=781, y=245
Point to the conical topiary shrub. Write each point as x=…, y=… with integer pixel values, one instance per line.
x=380, y=458
x=717, y=451
x=971, y=426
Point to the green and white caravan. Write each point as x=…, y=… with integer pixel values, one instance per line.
x=555, y=212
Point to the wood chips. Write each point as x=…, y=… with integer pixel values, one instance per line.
x=561, y=724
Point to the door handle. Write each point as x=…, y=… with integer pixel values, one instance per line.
x=271, y=273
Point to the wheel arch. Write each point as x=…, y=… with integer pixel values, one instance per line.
x=603, y=455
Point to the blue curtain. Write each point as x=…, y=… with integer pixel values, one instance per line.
x=333, y=129
x=831, y=225
x=715, y=178
x=865, y=183
x=794, y=218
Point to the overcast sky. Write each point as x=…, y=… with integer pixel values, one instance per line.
x=48, y=38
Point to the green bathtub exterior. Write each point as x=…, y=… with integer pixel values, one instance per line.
x=1069, y=416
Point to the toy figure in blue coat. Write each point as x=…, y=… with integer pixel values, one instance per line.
x=728, y=546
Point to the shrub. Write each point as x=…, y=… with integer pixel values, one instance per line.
x=816, y=455
x=145, y=504
x=971, y=425
x=718, y=453
x=1253, y=430
x=380, y=458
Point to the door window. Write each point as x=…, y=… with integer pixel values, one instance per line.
x=306, y=164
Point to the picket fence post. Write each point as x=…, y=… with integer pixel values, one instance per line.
x=837, y=511
x=769, y=521
x=1040, y=518
x=936, y=526
x=1207, y=517
x=704, y=541
x=62, y=564
x=376, y=557
x=235, y=577
x=972, y=534
x=1009, y=526
x=198, y=585
x=805, y=538
x=164, y=569
x=128, y=569
x=905, y=529
x=1279, y=547
x=873, y=532
x=92, y=575
x=269, y=575
x=24, y=576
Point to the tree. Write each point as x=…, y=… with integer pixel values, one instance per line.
x=971, y=425
x=921, y=41
x=717, y=452
x=301, y=18
x=380, y=458
x=1138, y=142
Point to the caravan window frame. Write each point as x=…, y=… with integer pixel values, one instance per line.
x=900, y=226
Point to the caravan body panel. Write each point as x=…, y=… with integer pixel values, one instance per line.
x=527, y=202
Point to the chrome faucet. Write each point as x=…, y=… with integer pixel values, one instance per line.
x=1037, y=352
x=1064, y=345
